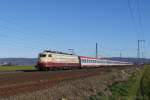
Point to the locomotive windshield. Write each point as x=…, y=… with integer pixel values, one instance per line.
x=42, y=55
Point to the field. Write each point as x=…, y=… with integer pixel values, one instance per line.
x=16, y=68
x=55, y=85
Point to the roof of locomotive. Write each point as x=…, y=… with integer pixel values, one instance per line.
x=57, y=52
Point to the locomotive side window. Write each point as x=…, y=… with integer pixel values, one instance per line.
x=42, y=55
x=49, y=55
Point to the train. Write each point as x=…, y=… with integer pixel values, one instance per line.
x=51, y=60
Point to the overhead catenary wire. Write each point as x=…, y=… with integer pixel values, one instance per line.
x=138, y=26
x=140, y=16
x=18, y=41
x=132, y=17
x=25, y=34
x=141, y=28
x=44, y=36
x=23, y=39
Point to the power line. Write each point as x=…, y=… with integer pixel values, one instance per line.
x=44, y=36
x=139, y=31
x=30, y=41
x=140, y=17
x=132, y=17
x=19, y=40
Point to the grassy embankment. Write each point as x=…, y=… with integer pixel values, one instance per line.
x=16, y=68
x=137, y=87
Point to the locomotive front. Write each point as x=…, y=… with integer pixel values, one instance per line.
x=43, y=60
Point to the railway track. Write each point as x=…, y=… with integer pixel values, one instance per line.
x=24, y=82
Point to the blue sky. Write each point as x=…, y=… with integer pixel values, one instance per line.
x=28, y=27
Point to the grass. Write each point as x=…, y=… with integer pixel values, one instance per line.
x=16, y=68
x=137, y=87
x=127, y=90
x=145, y=90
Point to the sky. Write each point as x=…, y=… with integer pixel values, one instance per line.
x=27, y=27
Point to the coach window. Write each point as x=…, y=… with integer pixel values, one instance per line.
x=83, y=60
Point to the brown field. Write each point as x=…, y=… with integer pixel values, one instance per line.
x=58, y=84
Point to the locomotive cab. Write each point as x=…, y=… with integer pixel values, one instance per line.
x=43, y=58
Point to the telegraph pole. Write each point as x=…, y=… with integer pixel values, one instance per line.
x=96, y=50
x=139, y=50
x=120, y=53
